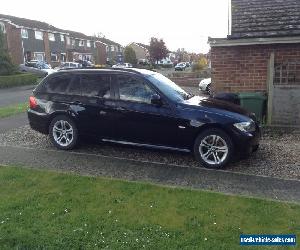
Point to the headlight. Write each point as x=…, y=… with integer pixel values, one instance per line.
x=245, y=126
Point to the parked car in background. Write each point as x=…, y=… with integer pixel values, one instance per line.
x=85, y=63
x=205, y=85
x=140, y=108
x=180, y=66
x=39, y=68
x=122, y=65
x=69, y=65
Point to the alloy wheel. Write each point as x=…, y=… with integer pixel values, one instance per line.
x=63, y=133
x=213, y=149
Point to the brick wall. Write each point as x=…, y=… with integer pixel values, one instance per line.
x=47, y=47
x=101, y=53
x=140, y=52
x=244, y=68
x=14, y=43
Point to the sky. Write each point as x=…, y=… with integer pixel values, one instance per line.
x=180, y=23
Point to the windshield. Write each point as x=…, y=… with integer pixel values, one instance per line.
x=169, y=88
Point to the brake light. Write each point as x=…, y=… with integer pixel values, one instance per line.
x=32, y=102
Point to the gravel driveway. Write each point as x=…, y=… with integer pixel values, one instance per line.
x=278, y=155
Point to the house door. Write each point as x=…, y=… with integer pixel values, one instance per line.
x=284, y=93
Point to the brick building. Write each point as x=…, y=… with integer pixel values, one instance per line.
x=261, y=53
x=258, y=28
x=141, y=52
x=29, y=39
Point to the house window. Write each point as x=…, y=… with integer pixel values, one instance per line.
x=92, y=44
x=63, y=57
x=39, y=56
x=73, y=42
x=88, y=43
x=107, y=49
x=68, y=40
x=2, y=27
x=62, y=38
x=54, y=57
x=112, y=48
x=81, y=43
x=24, y=33
x=38, y=35
x=51, y=37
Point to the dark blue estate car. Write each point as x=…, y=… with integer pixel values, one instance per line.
x=142, y=108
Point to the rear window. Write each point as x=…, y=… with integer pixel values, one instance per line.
x=96, y=85
x=58, y=84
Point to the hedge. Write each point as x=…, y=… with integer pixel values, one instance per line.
x=17, y=80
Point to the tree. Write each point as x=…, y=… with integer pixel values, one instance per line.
x=129, y=55
x=6, y=65
x=200, y=64
x=157, y=50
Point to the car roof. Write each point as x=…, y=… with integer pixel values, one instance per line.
x=110, y=70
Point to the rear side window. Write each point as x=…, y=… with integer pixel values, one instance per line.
x=74, y=87
x=58, y=85
x=96, y=85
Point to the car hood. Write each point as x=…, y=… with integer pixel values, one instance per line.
x=209, y=102
x=49, y=71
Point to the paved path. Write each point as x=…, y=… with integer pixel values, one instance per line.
x=198, y=178
x=15, y=95
x=13, y=122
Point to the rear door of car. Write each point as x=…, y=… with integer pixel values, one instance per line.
x=94, y=105
x=139, y=121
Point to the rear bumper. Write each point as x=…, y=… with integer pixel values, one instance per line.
x=38, y=121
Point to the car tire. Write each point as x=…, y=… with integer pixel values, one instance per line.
x=213, y=148
x=63, y=132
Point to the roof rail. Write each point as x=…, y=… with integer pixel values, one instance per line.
x=104, y=68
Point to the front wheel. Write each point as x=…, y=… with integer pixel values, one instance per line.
x=63, y=132
x=213, y=148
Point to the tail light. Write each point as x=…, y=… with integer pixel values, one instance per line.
x=32, y=102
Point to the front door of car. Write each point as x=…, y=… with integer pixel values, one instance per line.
x=94, y=106
x=139, y=121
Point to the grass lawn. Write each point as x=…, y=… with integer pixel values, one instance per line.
x=13, y=109
x=41, y=209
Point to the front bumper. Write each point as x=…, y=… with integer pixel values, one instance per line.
x=246, y=143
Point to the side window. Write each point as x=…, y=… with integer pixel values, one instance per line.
x=133, y=89
x=58, y=84
x=74, y=88
x=95, y=85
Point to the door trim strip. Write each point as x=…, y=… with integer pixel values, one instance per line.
x=147, y=145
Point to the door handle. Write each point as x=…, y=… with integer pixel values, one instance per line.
x=102, y=112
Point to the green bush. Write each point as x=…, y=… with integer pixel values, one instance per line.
x=129, y=55
x=166, y=66
x=17, y=80
x=6, y=65
x=199, y=65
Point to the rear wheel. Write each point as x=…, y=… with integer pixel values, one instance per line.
x=213, y=148
x=63, y=132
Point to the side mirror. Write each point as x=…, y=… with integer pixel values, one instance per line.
x=156, y=100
